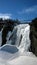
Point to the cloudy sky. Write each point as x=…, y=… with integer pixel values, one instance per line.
x=18, y=9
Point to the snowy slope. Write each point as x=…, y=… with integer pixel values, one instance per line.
x=23, y=60
x=8, y=52
x=8, y=57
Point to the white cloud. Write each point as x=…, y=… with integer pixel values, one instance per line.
x=5, y=16
x=31, y=9
x=28, y=10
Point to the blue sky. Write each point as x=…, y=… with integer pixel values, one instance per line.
x=18, y=9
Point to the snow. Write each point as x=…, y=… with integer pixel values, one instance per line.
x=17, y=58
x=6, y=55
x=23, y=60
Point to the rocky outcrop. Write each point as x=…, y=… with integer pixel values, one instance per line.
x=7, y=26
x=33, y=36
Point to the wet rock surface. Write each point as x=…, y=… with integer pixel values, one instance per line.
x=33, y=36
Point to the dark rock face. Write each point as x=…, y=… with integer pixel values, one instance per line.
x=7, y=26
x=5, y=31
x=33, y=36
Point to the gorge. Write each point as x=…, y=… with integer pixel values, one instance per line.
x=24, y=36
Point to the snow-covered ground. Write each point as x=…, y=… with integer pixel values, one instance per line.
x=8, y=52
x=11, y=55
x=23, y=60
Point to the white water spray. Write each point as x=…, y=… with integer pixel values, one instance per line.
x=20, y=37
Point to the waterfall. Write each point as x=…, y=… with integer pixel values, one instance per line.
x=25, y=42
x=20, y=37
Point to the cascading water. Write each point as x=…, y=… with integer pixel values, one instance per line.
x=1, y=36
x=20, y=37
x=25, y=42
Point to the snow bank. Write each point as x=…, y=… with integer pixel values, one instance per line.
x=23, y=60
